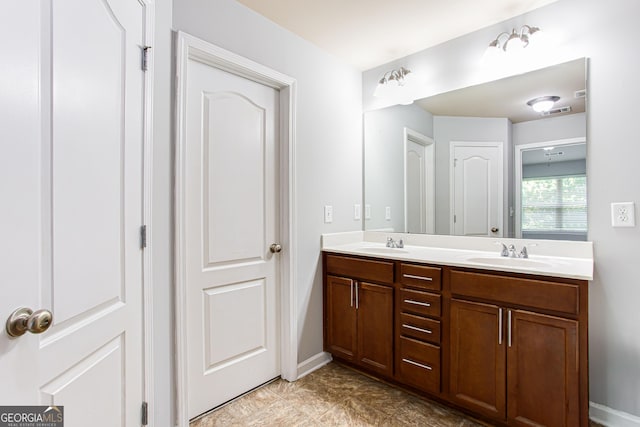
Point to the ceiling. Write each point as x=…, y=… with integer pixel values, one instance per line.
x=369, y=33
x=508, y=97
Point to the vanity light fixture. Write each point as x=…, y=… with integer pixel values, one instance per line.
x=542, y=103
x=516, y=40
x=393, y=86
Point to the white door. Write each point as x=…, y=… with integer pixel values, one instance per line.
x=419, y=183
x=231, y=216
x=477, y=208
x=71, y=131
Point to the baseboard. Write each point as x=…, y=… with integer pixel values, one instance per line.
x=313, y=363
x=611, y=417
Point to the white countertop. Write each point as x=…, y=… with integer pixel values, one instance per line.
x=553, y=258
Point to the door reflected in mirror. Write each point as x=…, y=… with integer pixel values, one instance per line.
x=426, y=167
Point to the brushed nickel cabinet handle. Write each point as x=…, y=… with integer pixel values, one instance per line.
x=500, y=326
x=418, y=364
x=509, y=326
x=412, y=276
x=357, y=296
x=415, y=328
x=351, y=289
x=414, y=302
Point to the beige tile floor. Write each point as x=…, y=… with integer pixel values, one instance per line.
x=333, y=396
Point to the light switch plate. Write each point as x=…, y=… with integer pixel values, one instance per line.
x=357, y=212
x=387, y=213
x=367, y=211
x=328, y=214
x=623, y=214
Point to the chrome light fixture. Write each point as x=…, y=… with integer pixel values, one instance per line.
x=543, y=103
x=516, y=40
x=393, y=86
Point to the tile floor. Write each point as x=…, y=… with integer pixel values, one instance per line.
x=333, y=396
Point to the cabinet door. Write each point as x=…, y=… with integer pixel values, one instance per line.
x=542, y=371
x=375, y=327
x=341, y=318
x=477, y=359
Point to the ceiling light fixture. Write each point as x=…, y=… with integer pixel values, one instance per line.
x=542, y=103
x=394, y=86
x=516, y=40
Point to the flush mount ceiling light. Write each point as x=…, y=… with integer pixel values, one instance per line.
x=542, y=103
x=393, y=86
x=516, y=40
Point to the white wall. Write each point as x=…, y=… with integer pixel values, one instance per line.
x=328, y=135
x=550, y=129
x=606, y=33
x=384, y=160
x=467, y=129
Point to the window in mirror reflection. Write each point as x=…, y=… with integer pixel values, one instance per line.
x=554, y=205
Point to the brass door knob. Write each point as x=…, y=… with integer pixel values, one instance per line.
x=25, y=320
x=275, y=248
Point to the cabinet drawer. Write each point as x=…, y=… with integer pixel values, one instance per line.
x=418, y=302
x=419, y=364
x=420, y=276
x=421, y=328
x=561, y=297
x=377, y=271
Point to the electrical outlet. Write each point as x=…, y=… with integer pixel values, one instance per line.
x=387, y=213
x=623, y=214
x=328, y=214
x=357, y=212
x=367, y=211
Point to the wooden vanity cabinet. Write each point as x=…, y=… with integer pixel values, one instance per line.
x=418, y=326
x=515, y=349
x=511, y=348
x=359, y=312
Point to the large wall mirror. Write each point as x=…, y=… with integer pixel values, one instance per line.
x=479, y=161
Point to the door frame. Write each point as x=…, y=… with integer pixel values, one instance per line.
x=518, y=149
x=429, y=176
x=193, y=48
x=501, y=196
x=148, y=392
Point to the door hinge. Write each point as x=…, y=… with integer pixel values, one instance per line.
x=143, y=236
x=145, y=58
x=455, y=163
x=455, y=219
x=145, y=413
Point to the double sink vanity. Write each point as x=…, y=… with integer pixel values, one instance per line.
x=503, y=338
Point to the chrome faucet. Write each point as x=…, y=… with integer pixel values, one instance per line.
x=512, y=253
x=393, y=244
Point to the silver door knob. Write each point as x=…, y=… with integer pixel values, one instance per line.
x=494, y=229
x=275, y=248
x=25, y=320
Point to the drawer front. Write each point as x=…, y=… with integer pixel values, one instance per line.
x=421, y=276
x=561, y=297
x=376, y=271
x=419, y=365
x=418, y=302
x=420, y=328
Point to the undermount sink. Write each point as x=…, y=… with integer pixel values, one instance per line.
x=510, y=262
x=379, y=250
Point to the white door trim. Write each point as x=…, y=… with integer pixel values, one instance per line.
x=518, y=171
x=147, y=259
x=501, y=196
x=430, y=176
x=192, y=48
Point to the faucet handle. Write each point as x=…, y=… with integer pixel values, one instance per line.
x=400, y=244
x=505, y=251
x=524, y=253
